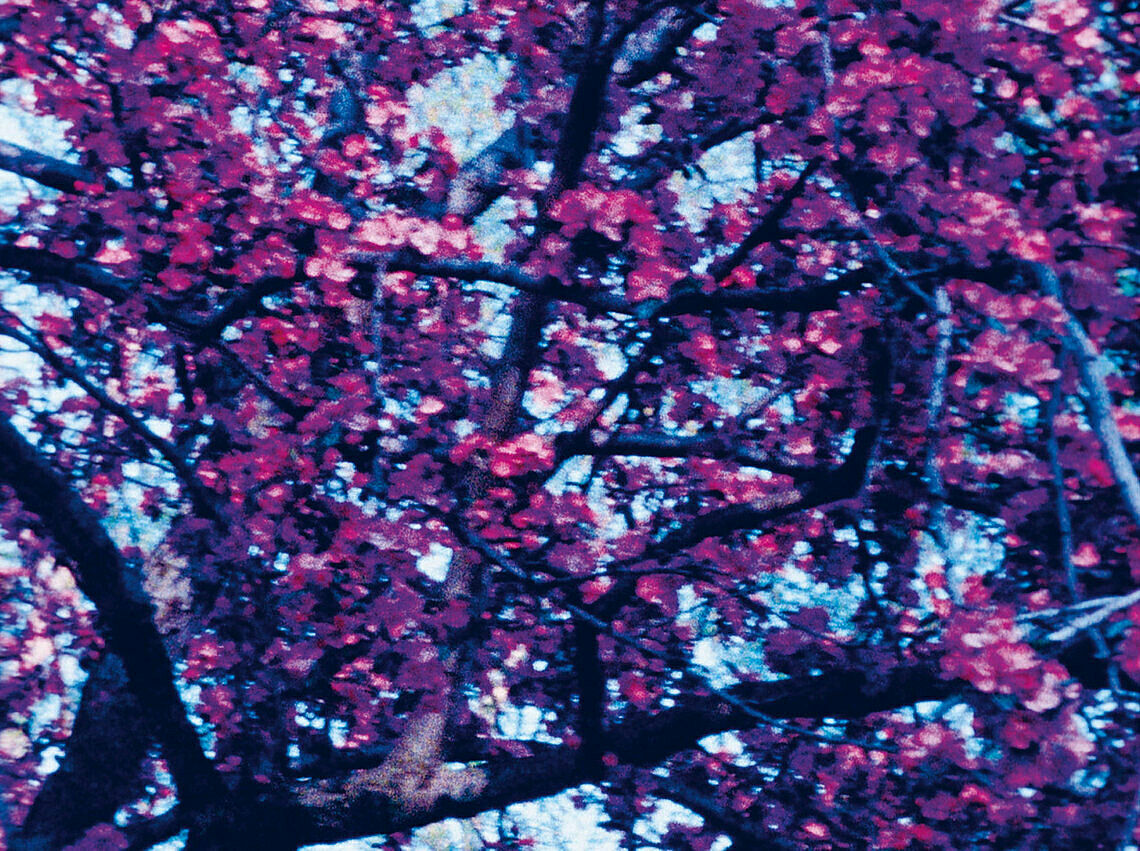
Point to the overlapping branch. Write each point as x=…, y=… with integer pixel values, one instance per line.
x=412, y=778
x=770, y=294
x=1093, y=368
x=842, y=482
x=332, y=812
x=203, y=499
x=641, y=739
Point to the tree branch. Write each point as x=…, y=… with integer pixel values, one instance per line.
x=125, y=615
x=1064, y=517
x=842, y=482
x=656, y=445
x=479, y=181
x=502, y=273
x=1057, y=474
x=105, y=743
x=239, y=306
x=642, y=739
x=1128, y=834
x=769, y=227
x=770, y=294
x=80, y=273
x=716, y=814
x=202, y=498
x=1091, y=619
x=587, y=105
x=935, y=405
x=48, y=171
x=647, y=52
x=44, y=264
x=1093, y=368
x=591, y=696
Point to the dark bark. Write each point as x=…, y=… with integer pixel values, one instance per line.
x=641, y=739
x=769, y=227
x=125, y=617
x=44, y=264
x=101, y=769
x=591, y=696
x=47, y=171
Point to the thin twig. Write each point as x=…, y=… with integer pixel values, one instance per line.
x=1064, y=516
x=1060, y=504
x=203, y=499
x=688, y=670
x=1083, y=606
x=1110, y=607
x=827, y=60
x=936, y=402
x=1109, y=246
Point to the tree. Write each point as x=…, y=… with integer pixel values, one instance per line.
x=840, y=462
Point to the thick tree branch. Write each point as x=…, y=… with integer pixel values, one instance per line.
x=479, y=181
x=587, y=105
x=125, y=615
x=642, y=739
x=329, y=812
x=591, y=695
x=105, y=743
x=80, y=273
x=47, y=171
x=650, y=50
